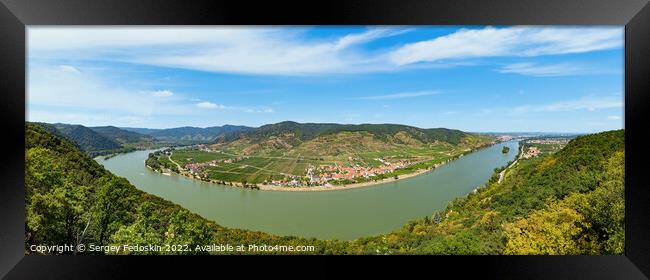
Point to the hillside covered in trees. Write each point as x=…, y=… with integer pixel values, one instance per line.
x=85, y=138
x=120, y=135
x=189, y=134
x=102, y=140
x=568, y=202
x=309, y=131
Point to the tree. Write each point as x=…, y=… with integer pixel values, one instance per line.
x=145, y=230
x=557, y=230
x=110, y=211
x=59, y=216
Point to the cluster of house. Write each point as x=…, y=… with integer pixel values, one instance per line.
x=289, y=181
x=203, y=147
x=321, y=175
x=197, y=168
x=531, y=152
x=504, y=138
x=325, y=173
x=561, y=141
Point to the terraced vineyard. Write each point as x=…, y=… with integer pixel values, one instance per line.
x=298, y=155
x=251, y=169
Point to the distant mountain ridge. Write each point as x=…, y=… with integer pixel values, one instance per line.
x=100, y=140
x=288, y=136
x=85, y=138
x=347, y=140
x=189, y=132
x=121, y=135
x=309, y=131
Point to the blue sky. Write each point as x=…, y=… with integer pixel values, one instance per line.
x=473, y=78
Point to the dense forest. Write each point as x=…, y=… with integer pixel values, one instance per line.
x=71, y=199
x=85, y=138
x=189, y=133
x=103, y=140
x=569, y=202
x=308, y=131
x=120, y=135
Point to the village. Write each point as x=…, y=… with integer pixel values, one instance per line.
x=228, y=168
x=555, y=141
x=531, y=152
x=321, y=175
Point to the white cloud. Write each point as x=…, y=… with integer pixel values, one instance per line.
x=68, y=95
x=588, y=103
x=512, y=41
x=269, y=51
x=398, y=95
x=162, y=93
x=614, y=118
x=69, y=69
x=209, y=105
x=546, y=70
x=370, y=35
x=264, y=110
x=86, y=118
x=286, y=51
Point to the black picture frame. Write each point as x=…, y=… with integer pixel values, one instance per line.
x=634, y=14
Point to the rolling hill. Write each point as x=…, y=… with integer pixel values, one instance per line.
x=102, y=140
x=308, y=131
x=330, y=139
x=71, y=199
x=317, y=154
x=120, y=135
x=85, y=138
x=569, y=202
x=189, y=133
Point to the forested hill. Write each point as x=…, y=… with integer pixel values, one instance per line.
x=101, y=140
x=569, y=202
x=71, y=199
x=309, y=131
x=189, y=133
x=84, y=137
x=120, y=135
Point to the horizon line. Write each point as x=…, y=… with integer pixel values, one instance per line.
x=204, y=127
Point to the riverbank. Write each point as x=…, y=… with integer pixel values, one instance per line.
x=343, y=187
x=264, y=187
x=362, y=211
x=328, y=187
x=502, y=174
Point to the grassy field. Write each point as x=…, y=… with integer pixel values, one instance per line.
x=258, y=169
x=275, y=158
x=185, y=156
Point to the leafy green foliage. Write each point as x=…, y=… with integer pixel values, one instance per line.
x=85, y=138
x=569, y=202
x=120, y=135
x=71, y=199
x=308, y=131
x=189, y=133
x=582, y=223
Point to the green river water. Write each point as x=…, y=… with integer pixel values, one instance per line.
x=343, y=214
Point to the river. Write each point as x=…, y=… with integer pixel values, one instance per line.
x=343, y=215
